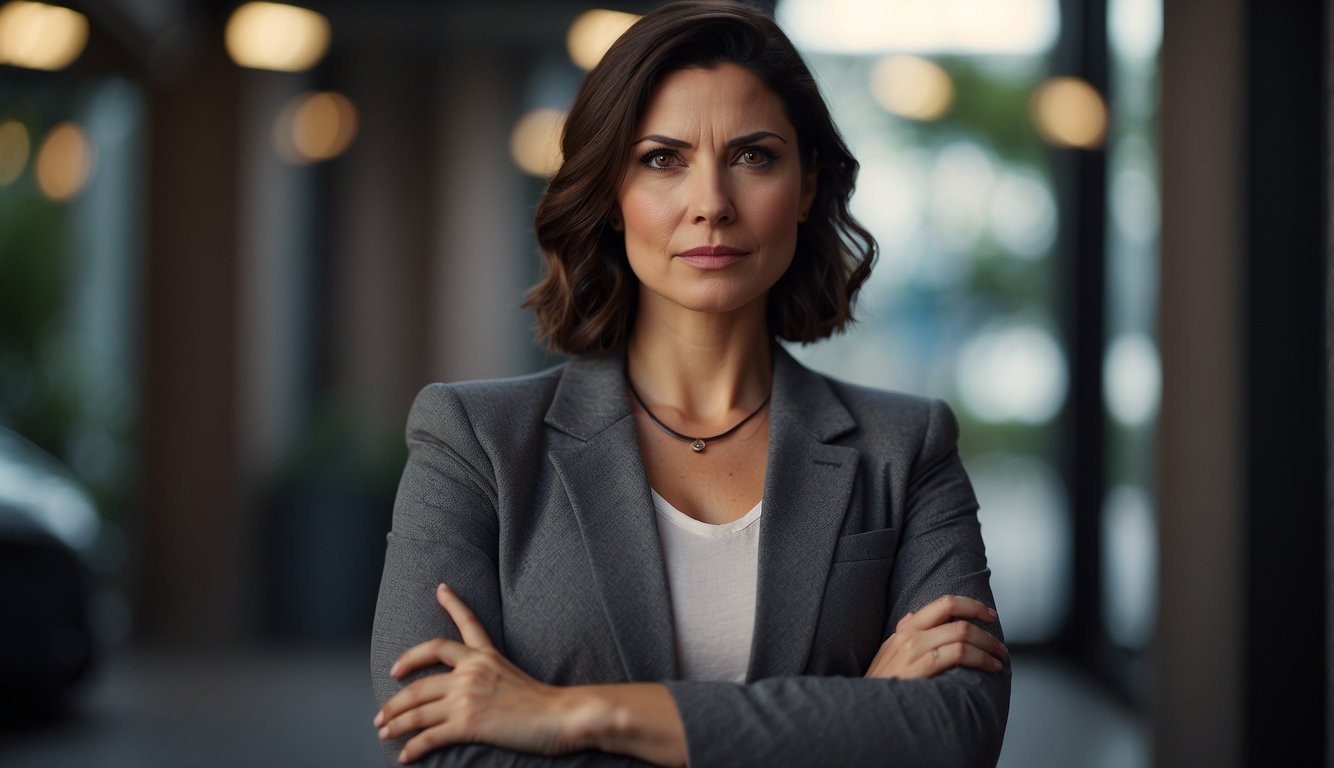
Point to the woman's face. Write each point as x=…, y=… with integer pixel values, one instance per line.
x=713, y=191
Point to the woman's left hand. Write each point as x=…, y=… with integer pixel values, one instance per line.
x=936, y=638
x=484, y=698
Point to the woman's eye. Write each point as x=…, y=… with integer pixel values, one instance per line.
x=754, y=157
x=660, y=160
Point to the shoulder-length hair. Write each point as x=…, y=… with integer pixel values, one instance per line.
x=587, y=299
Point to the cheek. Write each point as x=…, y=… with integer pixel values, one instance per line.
x=648, y=218
x=774, y=215
x=770, y=202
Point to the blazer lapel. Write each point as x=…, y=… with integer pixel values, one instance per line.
x=808, y=484
x=608, y=489
x=807, y=487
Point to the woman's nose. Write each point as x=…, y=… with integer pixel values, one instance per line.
x=710, y=197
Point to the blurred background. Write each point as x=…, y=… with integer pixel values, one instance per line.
x=237, y=238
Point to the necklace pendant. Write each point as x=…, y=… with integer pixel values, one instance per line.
x=697, y=446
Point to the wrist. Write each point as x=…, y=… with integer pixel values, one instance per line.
x=589, y=719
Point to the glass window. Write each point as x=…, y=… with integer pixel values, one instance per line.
x=1131, y=373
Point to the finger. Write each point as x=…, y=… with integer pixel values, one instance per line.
x=957, y=655
x=422, y=692
x=942, y=609
x=426, y=741
x=440, y=650
x=426, y=715
x=470, y=628
x=903, y=622
x=958, y=632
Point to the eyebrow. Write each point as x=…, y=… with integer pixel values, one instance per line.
x=749, y=138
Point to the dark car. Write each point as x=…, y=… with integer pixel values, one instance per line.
x=48, y=526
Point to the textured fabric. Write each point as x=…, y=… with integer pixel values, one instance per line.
x=528, y=496
x=711, y=572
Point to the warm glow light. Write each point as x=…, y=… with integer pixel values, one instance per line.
x=1069, y=113
x=1023, y=27
x=14, y=148
x=276, y=36
x=912, y=87
x=40, y=36
x=593, y=33
x=314, y=127
x=64, y=162
x=535, y=142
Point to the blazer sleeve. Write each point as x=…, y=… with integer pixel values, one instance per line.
x=954, y=719
x=445, y=530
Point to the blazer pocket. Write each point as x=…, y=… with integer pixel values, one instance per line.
x=871, y=545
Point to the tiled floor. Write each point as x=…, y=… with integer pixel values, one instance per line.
x=1058, y=719
x=300, y=708
x=172, y=710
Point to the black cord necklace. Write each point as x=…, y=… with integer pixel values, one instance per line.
x=697, y=444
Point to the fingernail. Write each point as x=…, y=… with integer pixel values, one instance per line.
x=379, y=719
x=1005, y=648
x=996, y=664
x=991, y=612
x=384, y=732
x=443, y=588
x=403, y=756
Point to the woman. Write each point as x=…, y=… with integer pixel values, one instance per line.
x=682, y=546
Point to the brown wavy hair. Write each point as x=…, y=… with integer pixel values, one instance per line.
x=587, y=300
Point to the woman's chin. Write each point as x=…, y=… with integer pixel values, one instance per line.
x=708, y=303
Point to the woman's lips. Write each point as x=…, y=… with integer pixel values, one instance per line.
x=712, y=256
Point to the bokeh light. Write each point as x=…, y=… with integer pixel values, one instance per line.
x=65, y=162
x=962, y=178
x=535, y=142
x=278, y=37
x=1135, y=28
x=891, y=202
x=1023, y=214
x=315, y=126
x=1132, y=379
x=1134, y=203
x=14, y=149
x=1069, y=112
x=1129, y=566
x=1015, y=27
x=41, y=36
x=1012, y=372
x=593, y=32
x=912, y=87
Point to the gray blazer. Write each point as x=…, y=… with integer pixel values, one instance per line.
x=528, y=496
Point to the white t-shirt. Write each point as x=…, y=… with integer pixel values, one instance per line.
x=711, y=572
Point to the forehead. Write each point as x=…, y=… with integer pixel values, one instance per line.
x=726, y=97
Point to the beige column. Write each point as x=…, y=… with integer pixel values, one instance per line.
x=1197, y=653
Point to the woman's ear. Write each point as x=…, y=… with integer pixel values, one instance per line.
x=615, y=220
x=808, y=179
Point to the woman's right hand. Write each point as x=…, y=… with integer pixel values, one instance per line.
x=936, y=638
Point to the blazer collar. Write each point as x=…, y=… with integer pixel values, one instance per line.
x=808, y=484
x=591, y=396
x=806, y=398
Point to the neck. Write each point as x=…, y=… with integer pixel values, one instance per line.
x=703, y=365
